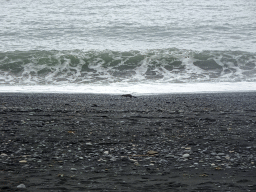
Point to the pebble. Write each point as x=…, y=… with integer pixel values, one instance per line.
x=133, y=160
x=169, y=155
x=185, y=155
x=152, y=152
x=89, y=143
x=218, y=157
x=106, y=152
x=113, y=159
x=21, y=186
x=23, y=161
x=73, y=169
x=227, y=157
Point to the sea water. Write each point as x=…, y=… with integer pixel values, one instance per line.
x=138, y=47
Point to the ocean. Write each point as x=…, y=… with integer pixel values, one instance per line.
x=136, y=47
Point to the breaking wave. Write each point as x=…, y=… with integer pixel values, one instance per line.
x=38, y=67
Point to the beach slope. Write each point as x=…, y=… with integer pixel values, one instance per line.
x=90, y=142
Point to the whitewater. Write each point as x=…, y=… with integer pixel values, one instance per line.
x=138, y=47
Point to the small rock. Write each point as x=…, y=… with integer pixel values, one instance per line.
x=106, y=152
x=73, y=169
x=185, y=155
x=169, y=156
x=133, y=160
x=21, y=186
x=113, y=159
x=23, y=161
x=4, y=155
x=152, y=152
x=89, y=143
x=227, y=157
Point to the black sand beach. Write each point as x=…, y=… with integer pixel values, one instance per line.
x=81, y=142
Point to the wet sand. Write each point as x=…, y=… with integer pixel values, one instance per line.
x=82, y=142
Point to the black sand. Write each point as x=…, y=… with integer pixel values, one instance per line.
x=67, y=142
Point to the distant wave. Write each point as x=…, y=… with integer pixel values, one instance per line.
x=38, y=67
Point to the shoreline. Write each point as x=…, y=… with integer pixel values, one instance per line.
x=95, y=142
x=142, y=89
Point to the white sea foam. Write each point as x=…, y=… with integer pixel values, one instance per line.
x=152, y=66
x=136, y=89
